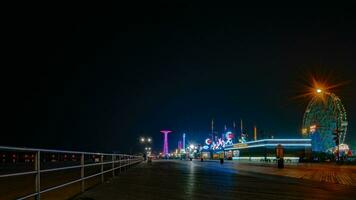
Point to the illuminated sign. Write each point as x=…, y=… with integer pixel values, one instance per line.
x=240, y=145
x=219, y=144
x=229, y=135
x=236, y=153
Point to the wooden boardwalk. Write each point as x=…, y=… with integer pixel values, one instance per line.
x=331, y=173
x=210, y=180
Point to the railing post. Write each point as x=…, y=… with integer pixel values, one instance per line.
x=120, y=159
x=113, y=165
x=128, y=162
x=125, y=162
x=82, y=163
x=38, y=175
x=102, y=168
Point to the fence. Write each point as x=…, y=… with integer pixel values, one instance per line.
x=42, y=163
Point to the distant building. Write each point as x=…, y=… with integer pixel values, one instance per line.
x=294, y=149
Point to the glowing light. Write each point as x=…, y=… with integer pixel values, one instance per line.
x=292, y=159
x=304, y=131
x=218, y=144
x=191, y=146
x=229, y=135
x=165, y=143
x=343, y=148
x=318, y=86
x=149, y=139
x=272, y=143
x=312, y=128
x=142, y=139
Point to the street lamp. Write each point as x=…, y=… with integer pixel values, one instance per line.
x=144, y=140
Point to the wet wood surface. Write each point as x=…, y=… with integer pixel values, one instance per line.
x=331, y=172
x=211, y=180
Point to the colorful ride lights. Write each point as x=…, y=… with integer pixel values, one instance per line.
x=165, y=141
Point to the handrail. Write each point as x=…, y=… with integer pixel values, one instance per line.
x=18, y=174
x=115, y=158
x=56, y=151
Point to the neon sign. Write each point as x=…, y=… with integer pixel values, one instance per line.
x=229, y=136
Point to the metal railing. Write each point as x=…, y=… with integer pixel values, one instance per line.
x=116, y=162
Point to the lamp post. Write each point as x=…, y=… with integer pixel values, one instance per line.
x=142, y=140
x=145, y=140
x=148, y=150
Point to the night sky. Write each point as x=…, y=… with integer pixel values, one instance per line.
x=97, y=77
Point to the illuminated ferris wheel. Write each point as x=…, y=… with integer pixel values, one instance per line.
x=323, y=115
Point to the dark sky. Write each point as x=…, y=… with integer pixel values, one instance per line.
x=96, y=77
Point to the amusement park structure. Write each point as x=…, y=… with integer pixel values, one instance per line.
x=165, y=142
x=324, y=115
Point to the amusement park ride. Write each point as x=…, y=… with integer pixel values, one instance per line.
x=325, y=122
x=324, y=129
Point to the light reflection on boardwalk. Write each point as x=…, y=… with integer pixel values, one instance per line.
x=210, y=180
x=331, y=173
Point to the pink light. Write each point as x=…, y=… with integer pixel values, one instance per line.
x=165, y=143
x=165, y=131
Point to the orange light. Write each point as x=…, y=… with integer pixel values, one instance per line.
x=304, y=131
x=318, y=86
x=312, y=128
